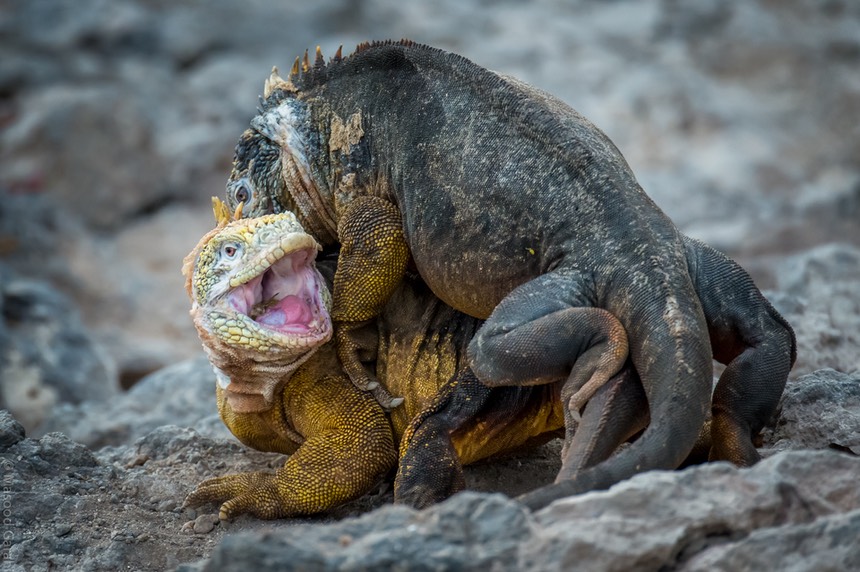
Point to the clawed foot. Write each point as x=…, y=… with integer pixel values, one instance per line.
x=354, y=340
x=385, y=399
x=243, y=493
x=366, y=382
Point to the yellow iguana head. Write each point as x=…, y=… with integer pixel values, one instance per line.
x=259, y=304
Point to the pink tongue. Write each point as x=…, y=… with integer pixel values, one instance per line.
x=291, y=310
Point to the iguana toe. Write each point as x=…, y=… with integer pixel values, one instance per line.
x=243, y=493
x=385, y=399
x=573, y=406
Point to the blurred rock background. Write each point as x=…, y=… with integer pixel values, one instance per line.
x=741, y=119
x=118, y=120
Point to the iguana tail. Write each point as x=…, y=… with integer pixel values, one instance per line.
x=670, y=349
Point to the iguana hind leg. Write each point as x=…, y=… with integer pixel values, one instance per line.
x=752, y=339
x=533, y=338
x=668, y=347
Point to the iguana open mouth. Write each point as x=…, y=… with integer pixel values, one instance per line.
x=285, y=296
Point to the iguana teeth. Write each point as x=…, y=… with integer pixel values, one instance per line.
x=306, y=63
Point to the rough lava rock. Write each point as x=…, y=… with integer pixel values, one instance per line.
x=818, y=411
x=47, y=356
x=703, y=518
x=818, y=291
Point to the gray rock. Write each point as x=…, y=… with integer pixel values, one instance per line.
x=469, y=532
x=828, y=543
x=817, y=293
x=673, y=516
x=182, y=394
x=818, y=411
x=47, y=356
x=654, y=521
x=68, y=508
x=10, y=430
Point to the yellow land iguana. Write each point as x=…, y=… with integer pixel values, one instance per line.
x=514, y=209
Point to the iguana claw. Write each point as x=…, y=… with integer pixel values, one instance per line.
x=242, y=493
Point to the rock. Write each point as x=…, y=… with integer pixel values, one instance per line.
x=817, y=294
x=71, y=509
x=205, y=523
x=10, y=430
x=818, y=411
x=655, y=520
x=182, y=394
x=685, y=513
x=470, y=532
x=821, y=545
x=47, y=356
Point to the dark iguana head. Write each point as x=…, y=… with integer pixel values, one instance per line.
x=300, y=154
x=272, y=166
x=259, y=304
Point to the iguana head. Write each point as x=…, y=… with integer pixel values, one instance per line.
x=272, y=166
x=298, y=153
x=258, y=303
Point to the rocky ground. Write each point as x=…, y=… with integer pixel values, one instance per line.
x=117, y=123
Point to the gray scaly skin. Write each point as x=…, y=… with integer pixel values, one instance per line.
x=517, y=210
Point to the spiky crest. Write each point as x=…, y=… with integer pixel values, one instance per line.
x=275, y=82
x=304, y=76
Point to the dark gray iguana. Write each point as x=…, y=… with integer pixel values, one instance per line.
x=260, y=308
x=517, y=210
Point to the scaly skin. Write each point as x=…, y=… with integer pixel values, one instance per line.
x=515, y=209
x=281, y=387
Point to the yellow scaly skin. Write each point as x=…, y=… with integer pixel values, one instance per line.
x=276, y=392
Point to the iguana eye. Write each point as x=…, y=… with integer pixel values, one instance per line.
x=242, y=192
x=230, y=250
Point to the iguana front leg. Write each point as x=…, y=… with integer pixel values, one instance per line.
x=371, y=264
x=348, y=447
x=429, y=469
